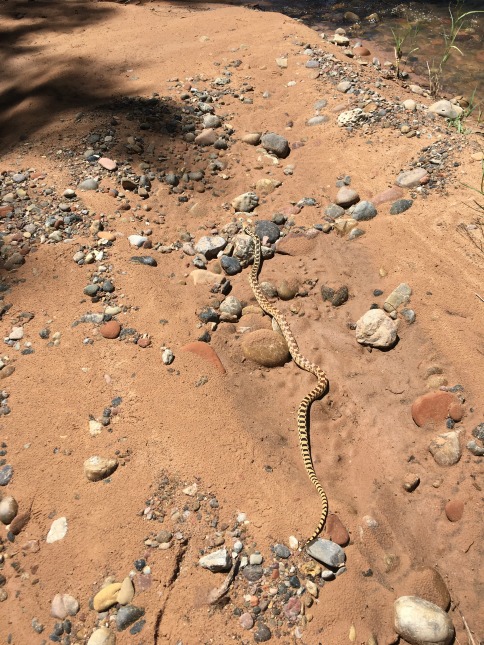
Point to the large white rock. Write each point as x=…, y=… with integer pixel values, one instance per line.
x=375, y=328
x=446, y=109
x=216, y=561
x=420, y=622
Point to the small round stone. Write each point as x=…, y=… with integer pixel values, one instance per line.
x=110, y=330
x=262, y=634
x=246, y=621
x=281, y=551
x=454, y=509
x=265, y=347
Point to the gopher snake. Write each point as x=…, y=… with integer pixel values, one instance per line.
x=303, y=363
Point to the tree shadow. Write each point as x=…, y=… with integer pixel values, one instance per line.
x=36, y=87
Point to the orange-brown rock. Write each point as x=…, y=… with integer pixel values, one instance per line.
x=110, y=330
x=432, y=408
x=206, y=352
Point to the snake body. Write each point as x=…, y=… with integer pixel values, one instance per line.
x=303, y=363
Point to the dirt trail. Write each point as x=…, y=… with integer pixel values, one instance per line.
x=233, y=434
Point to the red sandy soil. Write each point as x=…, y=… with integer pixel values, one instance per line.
x=227, y=432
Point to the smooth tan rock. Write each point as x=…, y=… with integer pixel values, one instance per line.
x=421, y=622
x=206, y=352
x=126, y=593
x=8, y=509
x=265, y=347
x=252, y=138
x=266, y=186
x=102, y=636
x=287, y=289
x=107, y=235
x=252, y=322
x=202, y=277
x=97, y=468
x=432, y=408
x=107, y=597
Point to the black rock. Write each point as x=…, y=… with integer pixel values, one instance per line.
x=144, y=259
x=91, y=290
x=265, y=228
x=208, y=315
x=340, y=297
x=262, y=633
x=230, y=265
x=400, y=206
x=128, y=615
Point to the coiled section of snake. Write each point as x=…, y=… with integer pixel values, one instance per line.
x=303, y=363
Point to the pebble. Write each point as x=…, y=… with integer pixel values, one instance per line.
x=147, y=260
x=276, y=144
x=420, y=622
x=399, y=296
x=88, y=184
x=364, y=211
x=411, y=178
x=267, y=229
x=445, y=448
x=255, y=558
x=17, y=333
x=411, y=482
x=64, y=605
x=6, y=473
x=292, y=608
x=327, y=552
x=246, y=621
x=476, y=449
x=126, y=592
x=110, y=330
x=265, y=347
x=375, y=328
x=287, y=289
x=252, y=138
x=446, y=109
x=106, y=597
x=400, y=206
x=432, y=408
x=231, y=306
x=262, y=633
x=8, y=509
x=230, y=265
x=216, y=561
x=346, y=196
x=128, y=615
x=91, y=290
x=137, y=240
x=245, y=203
x=344, y=86
x=454, y=509
x=210, y=246
x=102, y=636
x=281, y=551
x=410, y=105
x=97, y=468
x=478, y=432
x=106, y=163
x=167, y=356
x=253, y=572
x=211, y=121
x=336, y=530
x=95, y=427
x=207, y=137
x=57, y=531
x=317, y=120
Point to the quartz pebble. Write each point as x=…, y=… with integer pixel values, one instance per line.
x=57, y=531
x=375, y=328
x=64, y=605
x=97, y=468
x=102, y=636
x=216, y=561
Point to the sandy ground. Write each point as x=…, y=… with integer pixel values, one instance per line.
x=235, y=435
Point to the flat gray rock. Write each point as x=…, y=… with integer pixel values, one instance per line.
x=210, y=245
x=364, y=211
x=411, y=178
x=327, y=552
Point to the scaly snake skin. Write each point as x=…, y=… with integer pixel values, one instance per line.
x=303, y=363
